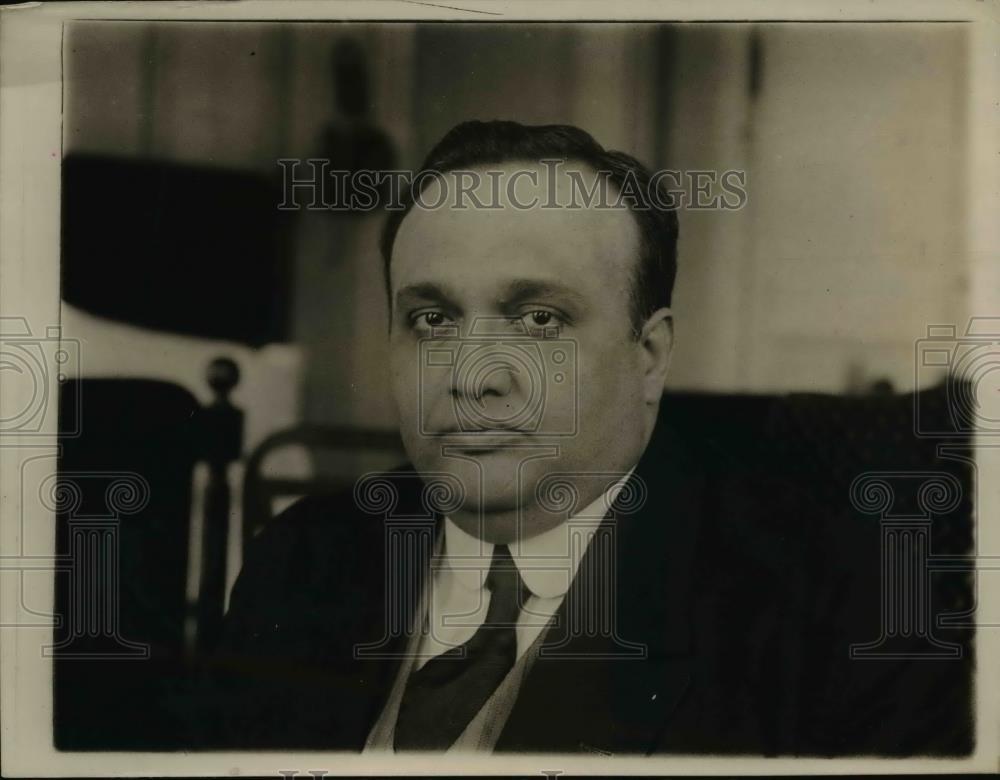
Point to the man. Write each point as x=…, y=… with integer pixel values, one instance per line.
x=554, y=572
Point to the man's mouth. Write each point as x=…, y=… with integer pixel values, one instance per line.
x=482, y=441
x=495, y=430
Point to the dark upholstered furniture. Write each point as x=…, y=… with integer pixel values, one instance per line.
x=123, y=499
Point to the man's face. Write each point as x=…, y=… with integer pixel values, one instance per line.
x=511, y=349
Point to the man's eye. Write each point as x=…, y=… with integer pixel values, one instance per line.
x=541, y=318
x=427, y=320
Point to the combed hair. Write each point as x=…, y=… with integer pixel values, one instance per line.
x=476, y=143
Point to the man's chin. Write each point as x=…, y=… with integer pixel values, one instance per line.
x=499, y=511
x=500, y=524
x=496, y=484
x=487, y=499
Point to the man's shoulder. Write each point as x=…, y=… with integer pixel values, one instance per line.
x=747, y=517
x=313, y=522
x=321, y=543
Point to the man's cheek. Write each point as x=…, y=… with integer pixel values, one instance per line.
x=600, y=383
x=562, y=405
x=403, y=377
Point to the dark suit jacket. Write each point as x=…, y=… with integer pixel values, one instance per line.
x=733, y=585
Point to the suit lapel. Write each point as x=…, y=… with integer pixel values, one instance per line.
x=396, y=592
x=610, y=686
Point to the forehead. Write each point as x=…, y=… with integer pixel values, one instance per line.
x=592, y=249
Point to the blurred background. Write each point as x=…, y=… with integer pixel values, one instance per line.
x=852, y=242
x=852, y=136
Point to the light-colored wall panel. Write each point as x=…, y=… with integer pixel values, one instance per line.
x=852, y=237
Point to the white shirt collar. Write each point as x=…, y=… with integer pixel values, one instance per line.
x=547, y=562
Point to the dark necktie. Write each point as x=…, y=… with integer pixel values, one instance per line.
x=444, y=695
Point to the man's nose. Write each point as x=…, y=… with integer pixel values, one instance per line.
x=487, y=374
x=491, y=379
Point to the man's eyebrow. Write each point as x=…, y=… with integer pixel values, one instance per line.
x=427, y=291
x=521, y=290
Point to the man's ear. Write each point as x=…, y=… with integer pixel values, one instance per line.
x=657, y=344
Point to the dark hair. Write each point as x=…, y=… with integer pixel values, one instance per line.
x=472, y=144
